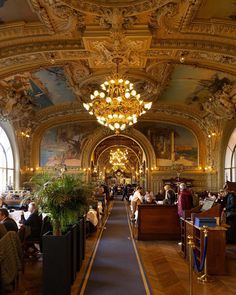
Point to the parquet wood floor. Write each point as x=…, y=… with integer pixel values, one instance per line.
x=166, y=271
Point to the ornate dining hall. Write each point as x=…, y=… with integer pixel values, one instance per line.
x=117, y=147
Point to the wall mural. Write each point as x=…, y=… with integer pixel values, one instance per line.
x=63, y=144
x=172, y=144
x=16, y=10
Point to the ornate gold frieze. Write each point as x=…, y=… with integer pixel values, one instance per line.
x=94, y=7
x=11, y=31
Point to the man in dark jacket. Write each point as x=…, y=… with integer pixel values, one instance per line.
x=34, y=221
x=8, y=222
x=230, y=209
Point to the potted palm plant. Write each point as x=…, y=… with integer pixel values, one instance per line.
x=64, y=199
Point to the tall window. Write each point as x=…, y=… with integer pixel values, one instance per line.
x=230, y=158
x=6, y=162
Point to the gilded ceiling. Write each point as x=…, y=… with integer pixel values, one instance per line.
x=180, y=54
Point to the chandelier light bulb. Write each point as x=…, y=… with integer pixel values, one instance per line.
x=86, y=106
x=148, y=105
x=133, y=92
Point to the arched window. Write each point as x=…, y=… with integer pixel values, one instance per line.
x=230, y=158
x=7, y=171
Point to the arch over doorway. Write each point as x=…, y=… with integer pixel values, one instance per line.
x=96, y=138
x=133, y=135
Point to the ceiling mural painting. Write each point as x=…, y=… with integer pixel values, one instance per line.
x=54, y=85
x=209, y=10
x=172, y=144
x=197, y=87
x=63, y=144
x=16, y=10
x=40, y=95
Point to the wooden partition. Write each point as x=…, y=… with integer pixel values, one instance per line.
x=214, y=211
x=158, y=222
x=216, y=262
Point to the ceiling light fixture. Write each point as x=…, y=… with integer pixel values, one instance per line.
x=118, y=105
x=118, y=159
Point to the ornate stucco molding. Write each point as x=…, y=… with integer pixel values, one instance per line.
x=30, y=47
x=11, y=31
x=118, y=45
x=17, y=104
x=195, y=44
x=42, y=14
x=222, y=104
x=165, y=17
x=58, y=18
x=130, y=8
x=216, y=27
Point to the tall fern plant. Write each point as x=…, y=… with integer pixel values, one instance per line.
x=65, y=199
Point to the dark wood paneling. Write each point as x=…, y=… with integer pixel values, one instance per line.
x=158, y=222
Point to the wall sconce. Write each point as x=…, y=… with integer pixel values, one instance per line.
x=182, y=57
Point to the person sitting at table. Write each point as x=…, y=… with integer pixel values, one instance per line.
x=2, y=203
x=8, y=222
x=34, y=222
x=149, y=198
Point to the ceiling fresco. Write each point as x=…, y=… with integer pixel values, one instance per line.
x=53, y=86
x=193, y=86
x=222, y=10
x=16, y=10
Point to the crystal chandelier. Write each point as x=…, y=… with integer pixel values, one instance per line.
x=118, y=159
x=118, y=105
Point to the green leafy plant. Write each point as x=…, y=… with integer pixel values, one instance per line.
x=64, y=198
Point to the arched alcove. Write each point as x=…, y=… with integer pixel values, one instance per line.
x=10, y=163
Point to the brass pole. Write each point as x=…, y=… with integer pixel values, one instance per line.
x=205, y=278
x=190, y=249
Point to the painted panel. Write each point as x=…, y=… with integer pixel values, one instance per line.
x=172, y=144
x=63, y=144
x=16, y=10
x=54, y=85
x=192, y=85
x=217, y=9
